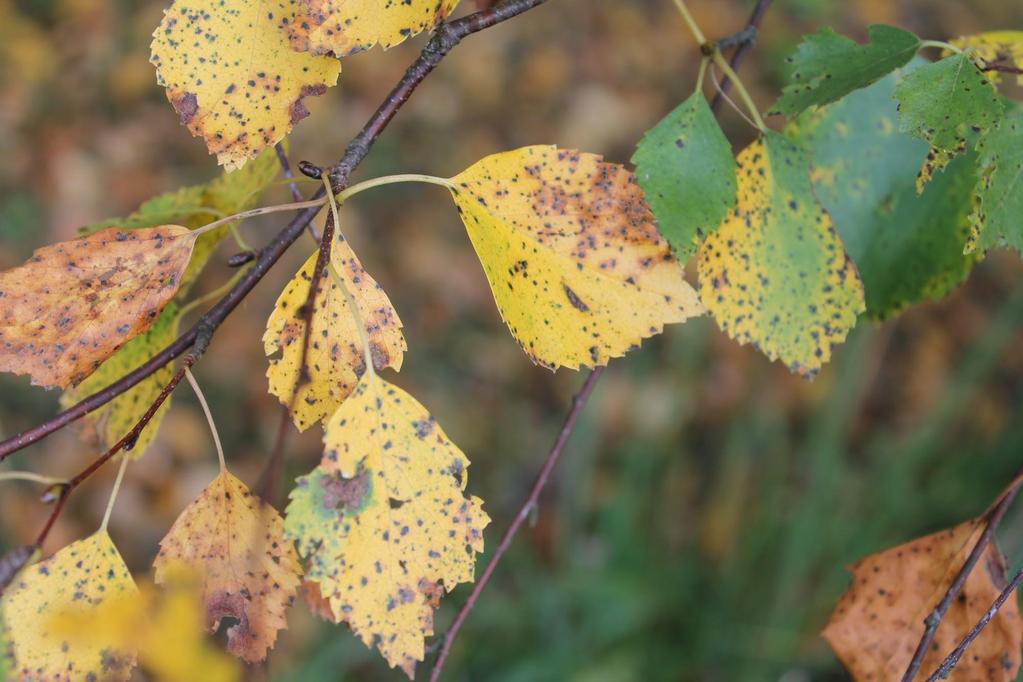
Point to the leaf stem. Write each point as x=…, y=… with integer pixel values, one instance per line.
x=251, y=213
x=113, y=493
x=209, y=417
x=694, y=28
x=390, y=180
x=940, y=44
x=30, y=476
x=703, y=72
x=744, y=95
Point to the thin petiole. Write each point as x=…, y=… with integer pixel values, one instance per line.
x=209, y=417
x=941, y=44
x=295, y=206
x=113, y=493
x=694, y=28
x=703, y=72
x=30, y=476
x=390, y=180
x=744, y=95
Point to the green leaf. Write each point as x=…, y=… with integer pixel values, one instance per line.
x=775, y=273
x=827, y=66
x=685, y=166
x=948, y=104
x=907, y=246
x=999, y=208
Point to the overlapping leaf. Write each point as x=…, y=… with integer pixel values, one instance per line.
x=1004, y=48
x=87, y=580
x=906, y=246
x=383, y=522
x=116, y=418
x=577, y=267
x=73, y=304
x=775, y=274
x=687, y=172
x=827, y=66
x=334, y=361
x=948, y=104
x=234, y=543
x=232, y=76
x=877, y=623
x=344, y=27
x=999, y=209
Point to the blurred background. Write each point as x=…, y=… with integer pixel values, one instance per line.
x=700, y=521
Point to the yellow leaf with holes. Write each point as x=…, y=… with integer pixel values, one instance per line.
x=344, y=27
x=165, y=626
x=775, y=274
x=232, y=76
x=334, y=361
x=578, y=269
x=996, y=48
x=73, y=304
x=112, y=421
x=234, y=544
x=383, y=522
x=86, y=580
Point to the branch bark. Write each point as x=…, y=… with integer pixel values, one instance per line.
x=740, y=50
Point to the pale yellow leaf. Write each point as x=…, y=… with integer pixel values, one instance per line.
x=335, y=356
x=383, y=521
x=578, y=269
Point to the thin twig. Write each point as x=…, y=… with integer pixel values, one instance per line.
x=197, y=338
x=945, y=669
x=992, y=518
x=740, y=51
x=524, y=511
x=296, y=193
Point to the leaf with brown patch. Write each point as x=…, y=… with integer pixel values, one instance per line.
x=878, y=622
x=232, y=76
x=73, y=304
x=234, y=542
x=577, y=267
x=334, y=361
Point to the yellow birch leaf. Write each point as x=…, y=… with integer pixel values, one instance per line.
x=233, y=542
x=165, y=626
x=86, y=580
x=335, y=357
x=73, y=304
x=383, y=521
x=344, y=27
x=775, y=274
x=996, y=47
x=577, y=267
x=232, y=76
x=119, y=416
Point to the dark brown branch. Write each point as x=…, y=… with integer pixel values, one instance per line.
x=945, y=669
x=992, y=518
x=527, y=507
x=740, y=50
x=198, y=337
x=1003, y=68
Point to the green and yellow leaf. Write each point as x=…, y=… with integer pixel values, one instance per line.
x=73, y=304
x=383, y=522
x=775, y=274
x=344, y=27
x=334, y=361
x=577, y=267
x=998, y=213
x=233, y=542
x=232, y=76
x=88, y=581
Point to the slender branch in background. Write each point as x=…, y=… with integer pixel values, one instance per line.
x=198, y=336
x=525, y=510
x=270, y=480
x=740, y=51
x=945, y=669
x=282, y=158
x=992, y=519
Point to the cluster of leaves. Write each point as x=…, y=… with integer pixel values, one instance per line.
x=891, y=178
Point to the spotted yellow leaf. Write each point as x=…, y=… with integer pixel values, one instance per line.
x=74, y=303
x=775, y=274
x=334, y=361
x=383, y=522
x=234, y=543
x=578, y=269
x=86, y=580
x=232, y=76
x=1001, y=48
x=165, y=626
x=344, y=27
x=113, y=420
